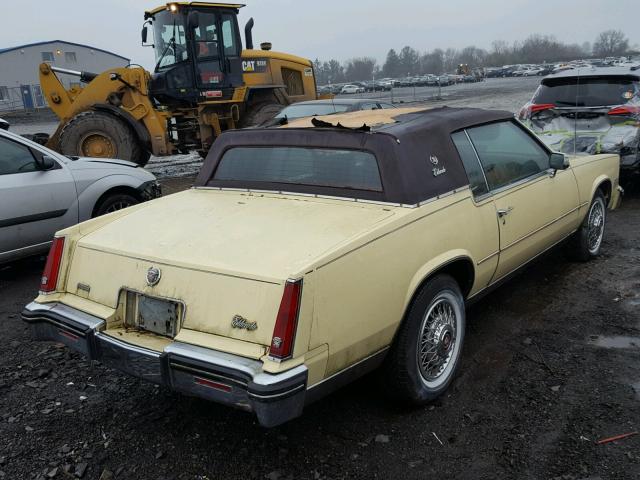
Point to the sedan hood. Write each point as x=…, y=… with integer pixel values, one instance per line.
x=90, y=161
x=259, y=236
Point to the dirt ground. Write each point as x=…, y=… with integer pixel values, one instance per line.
x=551, y=364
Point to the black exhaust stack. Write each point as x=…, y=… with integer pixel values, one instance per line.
x=247, y=34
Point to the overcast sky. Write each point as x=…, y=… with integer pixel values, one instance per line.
x=327, y=29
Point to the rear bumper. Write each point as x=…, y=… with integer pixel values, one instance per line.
x=209, y=374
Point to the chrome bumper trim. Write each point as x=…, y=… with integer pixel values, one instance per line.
x=201, y=372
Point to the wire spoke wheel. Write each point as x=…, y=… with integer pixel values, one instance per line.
x=438, y=339
x=595, y=226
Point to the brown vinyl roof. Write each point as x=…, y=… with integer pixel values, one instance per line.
x=409, y=145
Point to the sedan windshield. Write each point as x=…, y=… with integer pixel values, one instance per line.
x=587, y=91
x=310, y=110
x=302, y=166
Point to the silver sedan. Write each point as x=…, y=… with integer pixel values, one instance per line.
x=42, y=192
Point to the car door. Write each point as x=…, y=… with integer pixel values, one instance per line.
x=536, y=207
x=34, y=204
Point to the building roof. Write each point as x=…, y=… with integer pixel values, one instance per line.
x=35, y=44
x=416, y=156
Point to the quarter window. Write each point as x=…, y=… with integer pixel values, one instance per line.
x=508, y=154
x=472, y=166
x=15, y=158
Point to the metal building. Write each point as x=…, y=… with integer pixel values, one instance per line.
x=19, y=82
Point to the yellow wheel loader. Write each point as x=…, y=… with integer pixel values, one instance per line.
x=203, y=83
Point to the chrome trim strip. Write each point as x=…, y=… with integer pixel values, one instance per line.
x=497, y=280
x=264, y=378
x=486, y=182
x=295, y=389
x=127, y=346
x=540, y=228
x=247, y=366
x=497, y=252
x=346, y=199
x=205, y=373
x=37, y=245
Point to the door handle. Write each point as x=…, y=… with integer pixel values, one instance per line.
x=503, y=212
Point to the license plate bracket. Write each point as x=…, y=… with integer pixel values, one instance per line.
x=158, y=315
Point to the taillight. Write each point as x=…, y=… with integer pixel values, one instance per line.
x=52, y=267
x=630, y=110
x=284, y=332
x=540, y=107
x=527, y=110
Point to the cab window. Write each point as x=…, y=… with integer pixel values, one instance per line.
x=472, y=166
x=507, y=153
x=229, y=36
x=15, y=158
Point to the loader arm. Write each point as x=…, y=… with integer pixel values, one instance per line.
x=123, y=88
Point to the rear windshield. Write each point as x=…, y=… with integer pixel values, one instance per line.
x=587, y=91
x=301, y=166
x=299, y=111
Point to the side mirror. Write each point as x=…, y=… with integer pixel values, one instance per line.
x=558, y=161
x=193, y=20
x=45, y=162
x=144, y=34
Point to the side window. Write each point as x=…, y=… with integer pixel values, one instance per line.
x=229, y=36
x=507, y=153
x=477, y=182
x=369, y=106
x=15, y=158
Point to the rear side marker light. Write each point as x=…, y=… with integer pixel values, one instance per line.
x=52, y=267
x=211, y=384
x=284, y=331
x=70, y=336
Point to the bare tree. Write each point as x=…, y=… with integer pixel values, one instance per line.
x=359, y=69
x=611, y=43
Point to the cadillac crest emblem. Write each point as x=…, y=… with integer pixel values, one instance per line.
x=153, y=276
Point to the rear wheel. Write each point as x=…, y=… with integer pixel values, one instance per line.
x=425, y=355
x=101, y=135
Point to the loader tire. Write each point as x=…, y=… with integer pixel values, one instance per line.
x=101, y=135
x=260, y=113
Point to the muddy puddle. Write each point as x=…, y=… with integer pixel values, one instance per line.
x=615, y=341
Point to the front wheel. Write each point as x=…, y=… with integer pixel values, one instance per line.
x=114, y=202
x=425, y=355
x=586, y=243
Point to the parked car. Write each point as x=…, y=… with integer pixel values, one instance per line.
x=306, y=256
x=42, y=192
x=350, y=89
x=589, y=111
x=533, y=72
x=313, y=108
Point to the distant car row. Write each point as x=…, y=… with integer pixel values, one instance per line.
x=387, y=84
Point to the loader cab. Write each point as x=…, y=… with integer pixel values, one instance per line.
x=198, y=52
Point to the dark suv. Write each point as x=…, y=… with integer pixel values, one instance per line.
x=588, y=111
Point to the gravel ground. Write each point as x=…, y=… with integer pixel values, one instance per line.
x=551, y=364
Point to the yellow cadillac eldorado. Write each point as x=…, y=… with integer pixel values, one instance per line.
x=307, y=255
